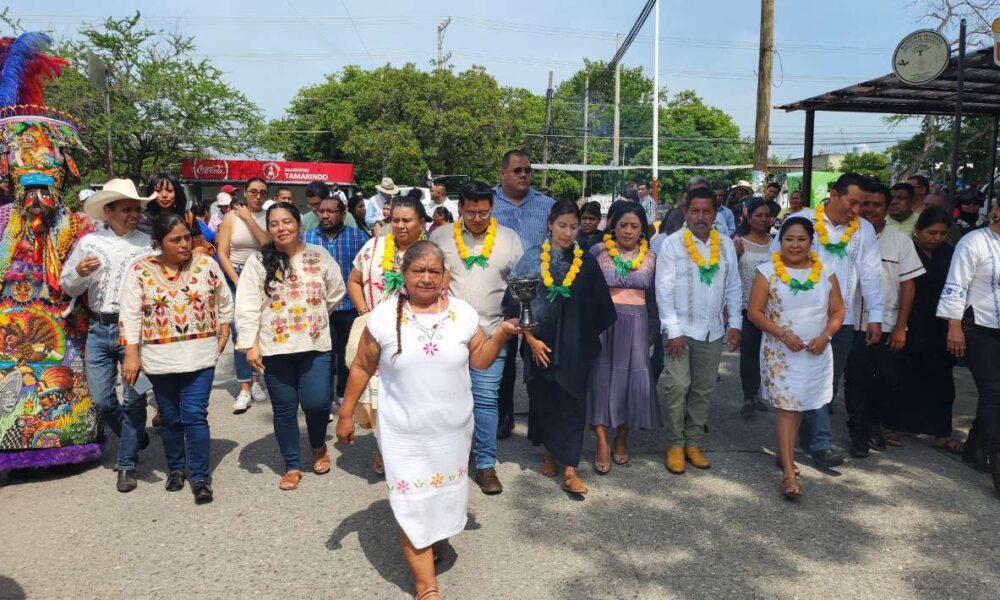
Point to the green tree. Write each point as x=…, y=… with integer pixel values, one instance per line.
x=165, y=105
x=867, y=163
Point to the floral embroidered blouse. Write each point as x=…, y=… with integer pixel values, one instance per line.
x=368, y=262
x=175, y=318
x=295, y=316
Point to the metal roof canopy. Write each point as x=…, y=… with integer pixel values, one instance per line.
x=969, y=86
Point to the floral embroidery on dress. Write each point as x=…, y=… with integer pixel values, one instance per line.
x=171, y=313
x=295, y=299
x=437, y=480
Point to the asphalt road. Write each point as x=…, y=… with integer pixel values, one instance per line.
x=911, y=522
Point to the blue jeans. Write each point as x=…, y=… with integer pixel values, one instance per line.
x=102, y=355
x=183, y=402
x=485, y=391
x=298, y=379
x=244, y=372
x=815, y=433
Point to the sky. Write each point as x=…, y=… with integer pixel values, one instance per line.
x=269, y=50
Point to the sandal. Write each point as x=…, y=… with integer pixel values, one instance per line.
x=321, y=460
x=622, y=459
x=574, y=485
x=601, y=468
x=290, y=480
x=377, y=464
x=777, y=463
x=548, y=465
x=790, y=488
x=950, y=445
x=430, y=593
x=892, y=438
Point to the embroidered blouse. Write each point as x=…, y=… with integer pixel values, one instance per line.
x=295, y=316
x=974, y=280
x=175, y=318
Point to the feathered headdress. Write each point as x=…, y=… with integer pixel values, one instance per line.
x=26, y=69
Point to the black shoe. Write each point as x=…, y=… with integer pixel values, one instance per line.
x=505, y=427
x=877, y=443
x=827, y=459
x=202, y=491
x=175, y=481
x=859, y=449
x=126, y=480
x=747, y=410
x=488, y=481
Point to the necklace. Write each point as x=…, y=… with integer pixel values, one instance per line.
x=463, y=251
x=393, y=278
x=796, y=285
x=624, y=267
x=840, y=248
x=706, y=272
x=553, y=290
x=428, y=331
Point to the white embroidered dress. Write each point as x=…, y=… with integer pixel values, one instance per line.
x=425, y=416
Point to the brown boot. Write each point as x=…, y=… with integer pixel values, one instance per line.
x=675, y=460
x=487, y=481
x=696, y=458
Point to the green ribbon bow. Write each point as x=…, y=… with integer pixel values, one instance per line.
x=622, y=267
x=556, y=291
x=839, y=249
x=393, y=281
x=798, y=286
x=706, y=274
x=478, y=259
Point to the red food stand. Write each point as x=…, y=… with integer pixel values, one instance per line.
x=206, y=175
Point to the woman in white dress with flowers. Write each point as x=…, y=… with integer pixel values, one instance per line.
x=425, y=422
x=796, y=302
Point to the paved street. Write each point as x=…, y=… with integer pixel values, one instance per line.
x=908, y=523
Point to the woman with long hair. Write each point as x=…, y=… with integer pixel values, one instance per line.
x=573, y=307
x=175, y=314
x=356, y=208
x=283, y=305
x=796, y=303
x=422, y=344
x=622, y=393
x=170, y=197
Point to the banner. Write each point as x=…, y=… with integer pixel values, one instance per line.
x=274, y=171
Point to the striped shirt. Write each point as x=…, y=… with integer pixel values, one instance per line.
x=343, y=247
x=528, y=218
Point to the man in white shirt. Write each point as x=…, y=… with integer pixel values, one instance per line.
x=847, y=245
x=439, y=197
x=98, y=266
x=479, y=276
x=384, y=192
x=872, y=374
x=692, y=291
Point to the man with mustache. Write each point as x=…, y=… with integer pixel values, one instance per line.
x=696, y=279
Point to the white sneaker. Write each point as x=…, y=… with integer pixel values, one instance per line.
x=258, y=392
x=242, y=403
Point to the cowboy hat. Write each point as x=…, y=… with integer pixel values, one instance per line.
x=387, y=186
x=116, y=189
x=742, y=183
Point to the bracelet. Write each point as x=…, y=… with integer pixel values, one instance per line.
x=784, y=335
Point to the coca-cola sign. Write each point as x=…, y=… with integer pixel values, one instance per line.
x=210, y=169
x=274, y=171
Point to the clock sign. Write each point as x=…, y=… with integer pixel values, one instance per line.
x=921, y=57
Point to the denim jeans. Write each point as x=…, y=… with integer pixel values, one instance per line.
x=183, y=402
x=485, y=392
x=102, y=355
x=750, y=359
x=244, y=372
x=293, y=380
x=341, y=322
x=815, y=433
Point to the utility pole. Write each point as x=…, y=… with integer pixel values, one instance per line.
x=618, y=98
x=656, y=104
x=442, y=58
x=762, y=128
x=548, y=128
x=586, y=131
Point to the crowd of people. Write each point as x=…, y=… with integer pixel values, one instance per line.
x=345, y=310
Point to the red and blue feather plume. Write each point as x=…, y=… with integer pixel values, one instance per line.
x=25, y=68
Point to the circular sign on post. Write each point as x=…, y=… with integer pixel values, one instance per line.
x=921, y=57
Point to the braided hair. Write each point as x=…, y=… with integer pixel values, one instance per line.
x=277, y=264
x=416, y=251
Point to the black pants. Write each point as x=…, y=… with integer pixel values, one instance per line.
x=750, y=358
x=871, y=383
x=340, y=329
x=505, y=401
x=556, y=420
x=983, y=358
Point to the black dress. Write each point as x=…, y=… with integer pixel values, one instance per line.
x=586, y=241
x=571, y=328
x=928, y=389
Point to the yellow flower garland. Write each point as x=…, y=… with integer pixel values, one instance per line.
x=393, y=278
x=705, y=271
x=574, y=270
x=796, y=285
x=623, y=267
x=463, y=251
x=840, y=248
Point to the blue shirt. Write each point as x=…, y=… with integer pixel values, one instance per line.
x=343, y=248
x=528, y=219
x=725, y=221
x=649, y=205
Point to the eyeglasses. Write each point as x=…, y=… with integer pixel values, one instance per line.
x=481, y=215
x=256, y=192
x=519, y=170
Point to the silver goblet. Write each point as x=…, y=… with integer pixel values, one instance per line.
x=525, y=289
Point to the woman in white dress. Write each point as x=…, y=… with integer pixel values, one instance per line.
x=422, y=344
x=797, y=304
